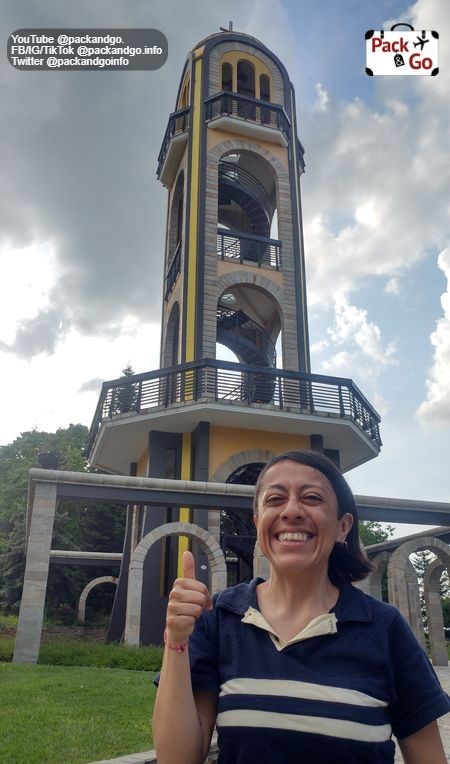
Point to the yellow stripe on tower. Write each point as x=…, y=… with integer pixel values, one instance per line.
x=300, y=238
x=194, y=213
x=185, y=512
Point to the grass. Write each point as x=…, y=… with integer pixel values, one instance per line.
x=70, y=715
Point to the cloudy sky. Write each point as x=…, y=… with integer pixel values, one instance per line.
x=82, y=217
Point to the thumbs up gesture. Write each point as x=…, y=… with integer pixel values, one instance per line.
x=187, y=600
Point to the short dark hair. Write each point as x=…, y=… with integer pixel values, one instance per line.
x=347, y=562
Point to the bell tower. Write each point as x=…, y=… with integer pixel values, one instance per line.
x=232, y=162
x=234, y=278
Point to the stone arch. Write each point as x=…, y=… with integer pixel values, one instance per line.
x=171, y=340
x=438, y=646
x=403, y=593
x=225, y=469
x=381, y=561
x=221, y=49
x=208, y=543
x=81, y=617
x=235, y=278
x=373, y=586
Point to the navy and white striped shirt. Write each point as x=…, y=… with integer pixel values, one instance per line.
x=333, y=694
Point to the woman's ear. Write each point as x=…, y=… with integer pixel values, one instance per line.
x=255, y=520
x=345, y=523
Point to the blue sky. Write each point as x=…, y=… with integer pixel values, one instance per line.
x=82, y=231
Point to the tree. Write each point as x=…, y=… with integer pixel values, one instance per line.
x=446, y=612
x=126, y=395
x=373, y=533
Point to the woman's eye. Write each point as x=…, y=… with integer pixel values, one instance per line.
x=312, y=498
x=274, y=499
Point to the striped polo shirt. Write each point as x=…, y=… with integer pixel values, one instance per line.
x=335, y=693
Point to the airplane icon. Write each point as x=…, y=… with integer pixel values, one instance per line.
x=420, y=42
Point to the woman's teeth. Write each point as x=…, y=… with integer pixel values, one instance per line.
x=294, y=536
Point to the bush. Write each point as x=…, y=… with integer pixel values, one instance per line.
x=6, y=649
x=8, y=622
x=90, y=653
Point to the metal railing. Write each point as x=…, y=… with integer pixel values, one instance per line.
x=245, y=247
x=261, y=112
x=172, y=273
x=233, y=383
x=241, y=326
x=178, y=123
x=245, y=181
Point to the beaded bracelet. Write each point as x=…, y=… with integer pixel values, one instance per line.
x=178, y=648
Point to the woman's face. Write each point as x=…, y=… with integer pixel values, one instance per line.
x=297, y=518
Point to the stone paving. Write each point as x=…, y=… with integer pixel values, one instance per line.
x=149, y=757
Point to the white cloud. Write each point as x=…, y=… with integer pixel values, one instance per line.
x=322, y=98
x=357, y=347
x=378, y=176
x=352, y=326
x=51, y=391
x=435, y=410
x=392, y=286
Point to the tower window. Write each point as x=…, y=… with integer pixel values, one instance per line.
x=246, y=78
x=227, y=77
x=264, y=87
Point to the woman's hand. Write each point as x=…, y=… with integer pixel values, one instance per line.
x=187, y=600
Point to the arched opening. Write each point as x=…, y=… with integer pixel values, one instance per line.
x=175, y=236
x=247, y=210
x=227, y=77
x=194, y=533
x=409, y=606
x=246, y=78
x=170, y=353
x=101, y=601
x=237, y=529
x=249, y=324
x=264, y=87
x=184, y=100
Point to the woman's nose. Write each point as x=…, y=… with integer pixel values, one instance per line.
x=293, y=508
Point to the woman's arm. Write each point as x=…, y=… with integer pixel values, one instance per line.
x=182, y=723
x=424, y=746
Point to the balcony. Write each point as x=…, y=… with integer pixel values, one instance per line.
x=248, y=249
x=173, y=272
x=230, y=395
x=173, y=145
x=248, y=116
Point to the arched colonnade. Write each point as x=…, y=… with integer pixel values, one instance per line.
x=404, y=593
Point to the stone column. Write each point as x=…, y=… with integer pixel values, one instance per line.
x=29, y=627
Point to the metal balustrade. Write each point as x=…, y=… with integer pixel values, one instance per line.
x=250, y=109
x=246, y=337
x=231, y=383
x=246, y=182
x=250, y=249
x=178, y=123
x=172, y=273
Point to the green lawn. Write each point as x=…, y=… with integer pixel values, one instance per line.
x=72, y=715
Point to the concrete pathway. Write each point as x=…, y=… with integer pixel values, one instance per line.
x=149, y=757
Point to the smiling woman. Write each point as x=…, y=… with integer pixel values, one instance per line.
x=290, y=666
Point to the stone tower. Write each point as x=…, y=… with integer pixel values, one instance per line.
x=234, y=276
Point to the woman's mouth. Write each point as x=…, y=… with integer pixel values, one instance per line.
x=297, y=536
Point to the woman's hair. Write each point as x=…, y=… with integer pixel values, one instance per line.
x=347, y=562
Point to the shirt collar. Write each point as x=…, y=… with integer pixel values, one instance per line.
x=352, y=604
